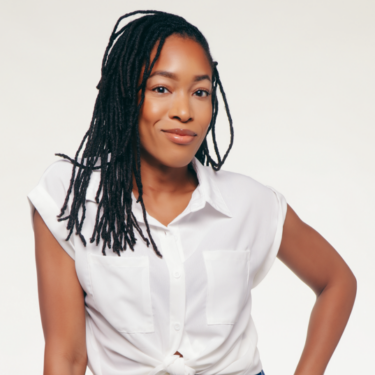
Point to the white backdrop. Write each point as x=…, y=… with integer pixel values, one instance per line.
x=299, y=77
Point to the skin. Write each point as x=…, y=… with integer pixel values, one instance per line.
x=177, y=96
x=61, y=303
x=177, y=100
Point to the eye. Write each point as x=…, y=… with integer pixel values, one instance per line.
x=160, y=90
x=202, y=93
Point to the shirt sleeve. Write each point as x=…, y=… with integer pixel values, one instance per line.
x=48, y=197
x=270, y=255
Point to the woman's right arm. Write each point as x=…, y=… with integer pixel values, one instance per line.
x=62, y=306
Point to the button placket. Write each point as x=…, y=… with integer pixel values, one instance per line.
x=171, y=253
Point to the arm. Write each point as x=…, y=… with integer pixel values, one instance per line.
x=317, y=263
x=61, y=303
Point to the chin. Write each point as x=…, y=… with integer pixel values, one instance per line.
x=174, y=158
x=176, y=161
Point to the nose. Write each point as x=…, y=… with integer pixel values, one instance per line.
x=181, y=108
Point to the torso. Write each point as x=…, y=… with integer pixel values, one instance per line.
x=196, y=300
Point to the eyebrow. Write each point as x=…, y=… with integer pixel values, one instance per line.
x=173, y=76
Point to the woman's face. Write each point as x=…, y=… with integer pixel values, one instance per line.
x=177, y=109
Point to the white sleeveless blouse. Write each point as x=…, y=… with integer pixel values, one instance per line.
x=196, y=300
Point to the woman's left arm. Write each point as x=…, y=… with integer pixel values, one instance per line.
x=318, y=264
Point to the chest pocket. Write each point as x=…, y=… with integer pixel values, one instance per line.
x=121, y=291
x=228, y=277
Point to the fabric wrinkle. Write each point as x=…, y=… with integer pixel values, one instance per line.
x=173, y=365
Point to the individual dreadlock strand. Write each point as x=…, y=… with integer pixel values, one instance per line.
x=73, y=219
x=95, y=235
x=214, y=116
x=75, y=210
x=132, y=78
x=229, y=119
x=65, y=205
x=124, y=54
x=137, y=172
x=112, y=143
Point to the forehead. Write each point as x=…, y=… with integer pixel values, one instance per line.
x=182, y=54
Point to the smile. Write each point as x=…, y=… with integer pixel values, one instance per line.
x=180, y=136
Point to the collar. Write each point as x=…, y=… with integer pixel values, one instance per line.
x=207, y=191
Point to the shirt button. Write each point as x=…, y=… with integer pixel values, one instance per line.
x=176, y=274
x=177, y=326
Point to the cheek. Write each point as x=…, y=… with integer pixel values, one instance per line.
x=151, y=112
x=204, y=115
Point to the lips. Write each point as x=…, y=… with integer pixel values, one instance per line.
x=181, y=132
x=180, y=136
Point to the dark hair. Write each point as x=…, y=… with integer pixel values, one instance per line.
x=113, y=135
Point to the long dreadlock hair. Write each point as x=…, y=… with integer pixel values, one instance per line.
x=113, y=133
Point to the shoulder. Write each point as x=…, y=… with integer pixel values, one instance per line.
x=48, y=198
x=244, y=194
x=227, y=177
x=240, y=186
x=58, y=171
x=56, y=179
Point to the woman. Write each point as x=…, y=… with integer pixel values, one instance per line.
x=184, y=307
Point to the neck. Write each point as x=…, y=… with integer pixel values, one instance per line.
x=158, y=178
